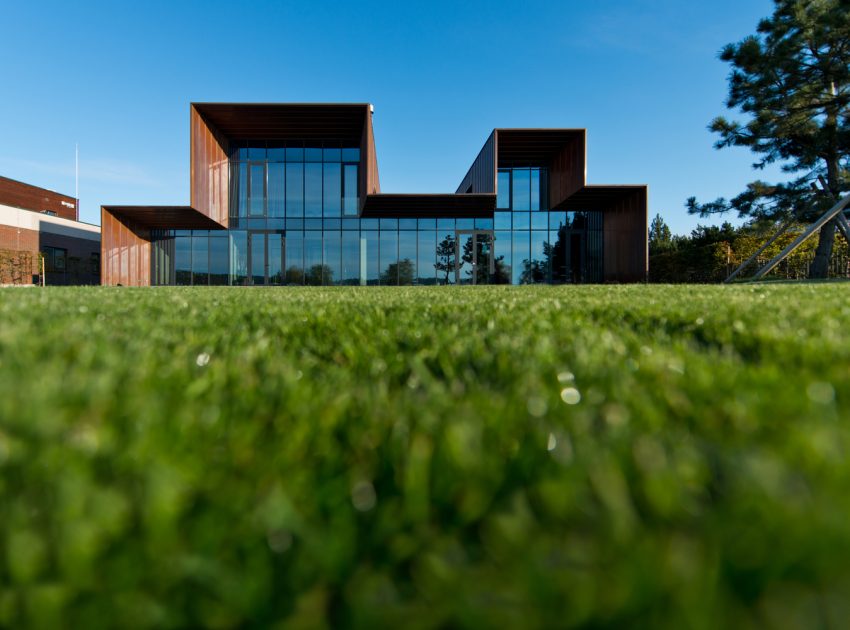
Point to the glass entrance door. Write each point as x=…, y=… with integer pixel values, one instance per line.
x=475, y=262
x=265, y=258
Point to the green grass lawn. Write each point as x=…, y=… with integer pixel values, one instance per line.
x=425, y=457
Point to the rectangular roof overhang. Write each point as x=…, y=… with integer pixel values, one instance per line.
x=164, y=217
x=532, y=147
x=287, y=121
x=402, y=206
x=598, y=197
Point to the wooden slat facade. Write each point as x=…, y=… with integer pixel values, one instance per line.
x=369, y=181
x=125, y=252
x=568, y=170
x=481, y=177
x=28, y=197
x=625, y=244
x=209, y=168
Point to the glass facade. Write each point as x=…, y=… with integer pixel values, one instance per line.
x=293, y=221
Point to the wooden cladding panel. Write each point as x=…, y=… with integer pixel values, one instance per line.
x=125, y=257
x=20, y=195
x=481, y=177
x=369, y=182
x=624, y=239
x=210, y=169
x=567, y=170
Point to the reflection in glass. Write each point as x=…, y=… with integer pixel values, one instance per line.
x=257, y=190
x=465, y=266
x=313, y=271
x=294, y=189
x=350, y=258
x=218, y=258
x=522, y=220
x=503, y=186
x=277, y=187
x=558, y=255
x=521, y=256
x=536, y=271
x=238, y=258
x=350, y=189
x=389, y=256
x=313, y=189
x=369, y=255
x=535, y=189
x=183, y=260
x=446, y=259
x=275, y=258
x=257, y=255
x=243, y=190
x=200, y=258
x=294, y=257
x=427, y=244
x=406, y=257
x=332, y=257
x=332, y=189
x=502, y=251
x=502, y=220
x=521, y=189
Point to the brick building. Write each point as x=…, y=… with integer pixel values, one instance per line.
x=37, y=221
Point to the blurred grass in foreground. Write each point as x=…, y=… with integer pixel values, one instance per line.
x=425, y=457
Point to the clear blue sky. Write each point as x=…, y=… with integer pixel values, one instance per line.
x=643, y=77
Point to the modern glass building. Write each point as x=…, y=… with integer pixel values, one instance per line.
x=287, y=194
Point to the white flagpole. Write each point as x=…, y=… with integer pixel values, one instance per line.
x=77, y=178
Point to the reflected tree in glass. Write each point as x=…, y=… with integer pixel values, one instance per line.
x=401, y=272
x=319, y=275
x=446, y=253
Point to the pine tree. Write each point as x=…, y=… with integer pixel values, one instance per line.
x=660, y=237
x=792, y=82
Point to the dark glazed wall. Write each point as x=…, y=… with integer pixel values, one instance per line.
x=625, y=244
x=481, y=177
x=210, y=169
x=125, y=252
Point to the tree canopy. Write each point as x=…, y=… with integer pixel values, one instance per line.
x=791, y=81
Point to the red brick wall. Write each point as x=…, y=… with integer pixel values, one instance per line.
x=13, y=239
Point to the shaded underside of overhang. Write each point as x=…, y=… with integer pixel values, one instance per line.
x=164, y=217
x=287, y=121
x=599, y=197
x=429, y=206
x=532, y=147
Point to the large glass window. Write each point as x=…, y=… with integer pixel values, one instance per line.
x=521, y=258
x=218, y=258
x=521, y=189
x=369, y=256
x=503, y=187
x=351, y=258
x=257, y=190
x=332, y=255
x=238, y=258
x=200, y=258
x=332, y=197
x=183, y=259
x=350, y=189
x=538, y=271
x=389, y=257
x=294, y=257
x=277, y=188
x=313, y=189
x=502, y=249
x=406, y=257
x=427, y=248
x=294, y=189
x=313, y=272
x=242, y=206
